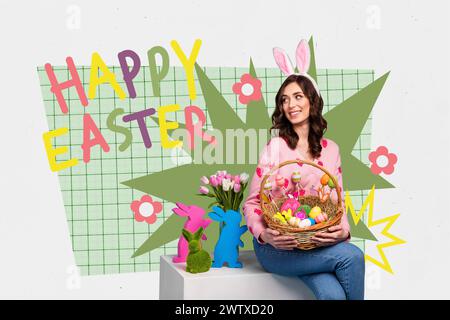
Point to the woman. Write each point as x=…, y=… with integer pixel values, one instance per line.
x=335, y=270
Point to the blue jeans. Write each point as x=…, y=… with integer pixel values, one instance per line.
x=332, y=273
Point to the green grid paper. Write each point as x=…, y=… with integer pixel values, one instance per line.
x=103, y=231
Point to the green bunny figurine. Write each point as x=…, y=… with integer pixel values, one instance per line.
x=198, y=260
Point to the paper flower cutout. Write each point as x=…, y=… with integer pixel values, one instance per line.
x=146, y=209
x=249, y=89
x=381, y=152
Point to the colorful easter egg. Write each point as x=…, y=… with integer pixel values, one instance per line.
x=301, y=214
x=290, y=203
x=296, y=177
x=324, y=180
x=306, y=208
x=313, y=222
x=321, y=218
x=294, y=221
x=315, y=212
x=279, y=180
x=305, y=223
x=331, y=184
x=268, y=186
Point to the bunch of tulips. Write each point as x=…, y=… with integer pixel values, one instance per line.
x=228, y=190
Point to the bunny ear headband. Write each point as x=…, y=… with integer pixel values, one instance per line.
x=302, y=56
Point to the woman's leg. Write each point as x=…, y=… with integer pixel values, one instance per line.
x=325, y=286
x=350, y=269
x=343, y=259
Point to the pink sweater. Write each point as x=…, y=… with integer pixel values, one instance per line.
x=277, y=151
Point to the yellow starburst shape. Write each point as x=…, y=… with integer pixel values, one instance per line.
x=389, y=221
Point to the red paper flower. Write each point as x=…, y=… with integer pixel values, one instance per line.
x=249, y=89
x=145, y=209
x=381, y=152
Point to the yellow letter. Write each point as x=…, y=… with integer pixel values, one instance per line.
x=164, y=126
x=53, y=152
x=188, y=64
x=108, y=76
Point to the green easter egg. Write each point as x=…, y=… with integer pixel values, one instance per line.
x=305, y=207
x=331, y=184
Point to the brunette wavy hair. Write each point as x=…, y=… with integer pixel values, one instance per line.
x=317, y=124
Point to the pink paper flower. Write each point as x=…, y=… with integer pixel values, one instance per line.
x=381, y=152
x=146, y=209
x=249, y=89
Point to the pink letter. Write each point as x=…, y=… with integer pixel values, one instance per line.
x=57, y=87
x=197, y=128
x=88, y=127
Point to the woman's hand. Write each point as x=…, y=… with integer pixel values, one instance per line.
x=280, y=242
x=334, y=235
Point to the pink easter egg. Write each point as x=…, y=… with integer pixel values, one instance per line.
x=301, y=215
x=279, y=180
x=320, y=218
x=290, y=204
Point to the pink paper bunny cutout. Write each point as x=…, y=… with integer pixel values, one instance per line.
x=303, y=59
x=194, y=221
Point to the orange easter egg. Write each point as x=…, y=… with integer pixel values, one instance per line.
x=324, y=180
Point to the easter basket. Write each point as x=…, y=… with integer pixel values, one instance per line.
x=302, y=235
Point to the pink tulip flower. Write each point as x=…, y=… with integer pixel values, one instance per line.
x=203, y=190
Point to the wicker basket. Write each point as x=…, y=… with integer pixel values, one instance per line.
x=302, y=235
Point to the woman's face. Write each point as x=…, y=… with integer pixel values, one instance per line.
x=295, y=104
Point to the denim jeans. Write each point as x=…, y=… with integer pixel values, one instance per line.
x=332, y=273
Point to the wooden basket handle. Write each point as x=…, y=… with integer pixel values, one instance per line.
x=282, y=164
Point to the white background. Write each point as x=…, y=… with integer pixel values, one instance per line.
x=411, y=117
